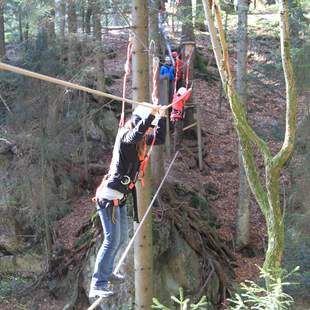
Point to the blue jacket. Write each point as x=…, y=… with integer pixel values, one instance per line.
x=166, y=70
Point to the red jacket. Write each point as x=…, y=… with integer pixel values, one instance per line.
x=178, y=69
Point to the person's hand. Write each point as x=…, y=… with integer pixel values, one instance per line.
x=162, y=111
x=155, y=109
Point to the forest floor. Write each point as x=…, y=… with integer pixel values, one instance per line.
x=266, y=105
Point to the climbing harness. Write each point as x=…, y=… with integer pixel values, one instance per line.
x=179, y=100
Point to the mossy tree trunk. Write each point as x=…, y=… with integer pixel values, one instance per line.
x=143, y=257
x=243, y=217
x=267, y=195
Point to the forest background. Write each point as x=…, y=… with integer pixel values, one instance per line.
x=56, y=143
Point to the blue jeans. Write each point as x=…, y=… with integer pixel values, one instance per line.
x=115, y=235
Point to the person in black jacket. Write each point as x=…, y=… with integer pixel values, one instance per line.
x=128, y=153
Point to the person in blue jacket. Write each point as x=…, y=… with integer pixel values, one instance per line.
x=167, y=71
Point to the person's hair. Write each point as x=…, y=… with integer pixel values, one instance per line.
x=140, y=144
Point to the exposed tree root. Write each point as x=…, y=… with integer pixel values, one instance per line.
x=195, y=228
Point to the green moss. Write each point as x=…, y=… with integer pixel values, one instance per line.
x=11, y=283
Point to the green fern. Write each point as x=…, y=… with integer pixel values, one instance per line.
x=256, y=297
x=182, y=302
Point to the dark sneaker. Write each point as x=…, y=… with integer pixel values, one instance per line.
x=101, y=292
x=116, y=278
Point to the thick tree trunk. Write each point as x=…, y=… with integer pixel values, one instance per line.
x=140, y=85
x=243, y=218
x=157, y=157
x=2, y=31
x=274, y=220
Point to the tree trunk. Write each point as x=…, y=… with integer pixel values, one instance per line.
x=83, y=5
x=51, y=23
x=96, y=9
x=187, y=36
x=72, y=18
x=274, y=221
x=62, y=14
x=157, y=158
x=72, y=31
x=88, y=17
x=44, y=203
x=140, y=85
x=269, y=201
x=187, y=21
x=20, y=24
x=26, y=36
x=243, y=217
x=2, y=31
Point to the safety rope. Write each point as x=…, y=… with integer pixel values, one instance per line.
x=125, y=253
x=155, y=99
x=6, y=67
x=127, y=68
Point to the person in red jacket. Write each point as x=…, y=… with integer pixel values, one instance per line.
x=179, y=74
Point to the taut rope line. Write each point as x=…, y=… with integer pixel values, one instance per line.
x=118, y=266
x=46, y=78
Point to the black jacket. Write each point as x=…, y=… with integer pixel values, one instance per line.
x=125, y=160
